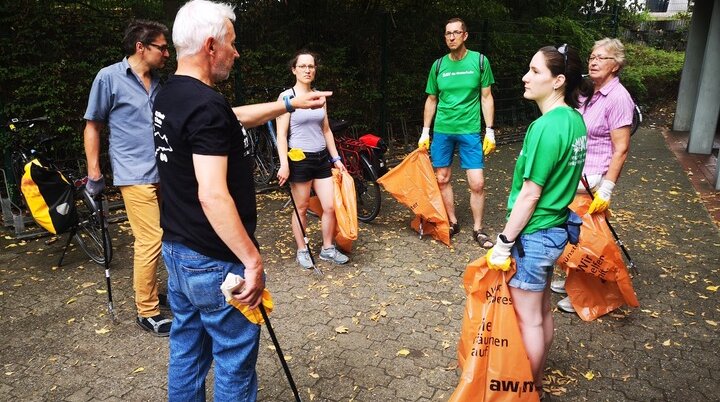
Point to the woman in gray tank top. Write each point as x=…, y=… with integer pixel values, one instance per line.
x=308, y=130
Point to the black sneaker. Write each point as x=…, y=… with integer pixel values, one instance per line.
x=157, y=325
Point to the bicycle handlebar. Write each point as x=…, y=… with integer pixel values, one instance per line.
x=15, y=122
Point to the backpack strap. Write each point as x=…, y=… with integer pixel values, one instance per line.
x=481, y=64
x=437, y=66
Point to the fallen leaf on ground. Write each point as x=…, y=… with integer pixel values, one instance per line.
x=138, y=370
x=402, y=352
x=341, y=329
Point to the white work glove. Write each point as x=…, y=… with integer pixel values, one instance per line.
x=498, y=257
x=424, y=141
x=601, y=201
x=489, y=141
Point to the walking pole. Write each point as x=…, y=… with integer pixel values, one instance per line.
x=305, y=238
x=98, y=207
x=280, y=353
x=633, y=267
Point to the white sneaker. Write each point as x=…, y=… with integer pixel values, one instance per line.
x=558, y=286
x=332, y=254
x=565, y=305
x=303, y=258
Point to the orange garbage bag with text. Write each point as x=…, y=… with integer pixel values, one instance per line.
x=413, y=183
x=598, y=280
x=491, y=353
x=345, y=203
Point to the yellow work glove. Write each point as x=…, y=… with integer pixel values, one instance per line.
x=296, y=154
x=424, y=141
x=489, y=141
x=498, y=257
x=601, y=201
x=233, y=284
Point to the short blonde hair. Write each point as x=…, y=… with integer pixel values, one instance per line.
x=615, y=47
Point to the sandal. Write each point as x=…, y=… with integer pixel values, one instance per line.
x=454, y=229
x=483, y=239
x=157, y=325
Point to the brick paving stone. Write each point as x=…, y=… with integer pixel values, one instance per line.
x=397, y=292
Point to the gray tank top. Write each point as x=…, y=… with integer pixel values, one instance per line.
x=306, y=128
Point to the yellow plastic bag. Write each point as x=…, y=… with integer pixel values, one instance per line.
x=234, y=283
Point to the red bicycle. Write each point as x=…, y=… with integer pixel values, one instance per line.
x=364, y=164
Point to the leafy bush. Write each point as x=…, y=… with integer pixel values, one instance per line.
x=652, y=74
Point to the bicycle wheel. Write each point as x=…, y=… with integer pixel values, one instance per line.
x=367, y=190
x=265, y=159
x=89, y=234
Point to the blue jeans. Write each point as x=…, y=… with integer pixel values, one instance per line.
x=205, y=327
x=542, y=249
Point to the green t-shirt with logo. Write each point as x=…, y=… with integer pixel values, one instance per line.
x=552, y=156
x=457, y=86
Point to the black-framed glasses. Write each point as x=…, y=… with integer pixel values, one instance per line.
x=563, y=50
x=599, y=58
x=449, y=34
x=161, y=48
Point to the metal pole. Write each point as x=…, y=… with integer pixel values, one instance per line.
x=279, y=352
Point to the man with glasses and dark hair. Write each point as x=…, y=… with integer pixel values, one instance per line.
x=458, y=87
x=121, y=98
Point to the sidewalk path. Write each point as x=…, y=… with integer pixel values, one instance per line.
x=385, y=327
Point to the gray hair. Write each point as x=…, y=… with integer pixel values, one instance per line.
x=615, y=47
x=198, y=20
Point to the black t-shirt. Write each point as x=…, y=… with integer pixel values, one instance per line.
x=192, y=118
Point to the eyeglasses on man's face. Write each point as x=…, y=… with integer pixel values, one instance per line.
x=599, y=58
x=161, y=48
x=309, y=67
x=449, y=34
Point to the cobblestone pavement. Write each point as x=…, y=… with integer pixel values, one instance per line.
x=385, y=327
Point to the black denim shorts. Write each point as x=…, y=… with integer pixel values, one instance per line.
x=316, y=165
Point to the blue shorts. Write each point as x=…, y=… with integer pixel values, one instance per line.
x=469, y=148
x=542, y=249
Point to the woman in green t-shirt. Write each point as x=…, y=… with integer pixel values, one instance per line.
x=544, y=183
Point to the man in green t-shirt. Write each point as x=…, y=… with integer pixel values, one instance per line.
x=458, y=86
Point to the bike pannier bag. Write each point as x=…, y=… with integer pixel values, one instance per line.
x=49, y=196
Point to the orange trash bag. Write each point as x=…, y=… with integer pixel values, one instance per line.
x=598, y=280
x=491, y=353
x=413, y=183
x=596, y=253
x=345, y=203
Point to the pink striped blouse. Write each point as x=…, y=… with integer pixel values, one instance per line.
x=609, y=108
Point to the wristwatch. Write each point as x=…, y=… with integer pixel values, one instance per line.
x=505, y=239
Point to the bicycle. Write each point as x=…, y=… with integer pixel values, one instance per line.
x=90, y=231
x=263, y=145
x=358, y=159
